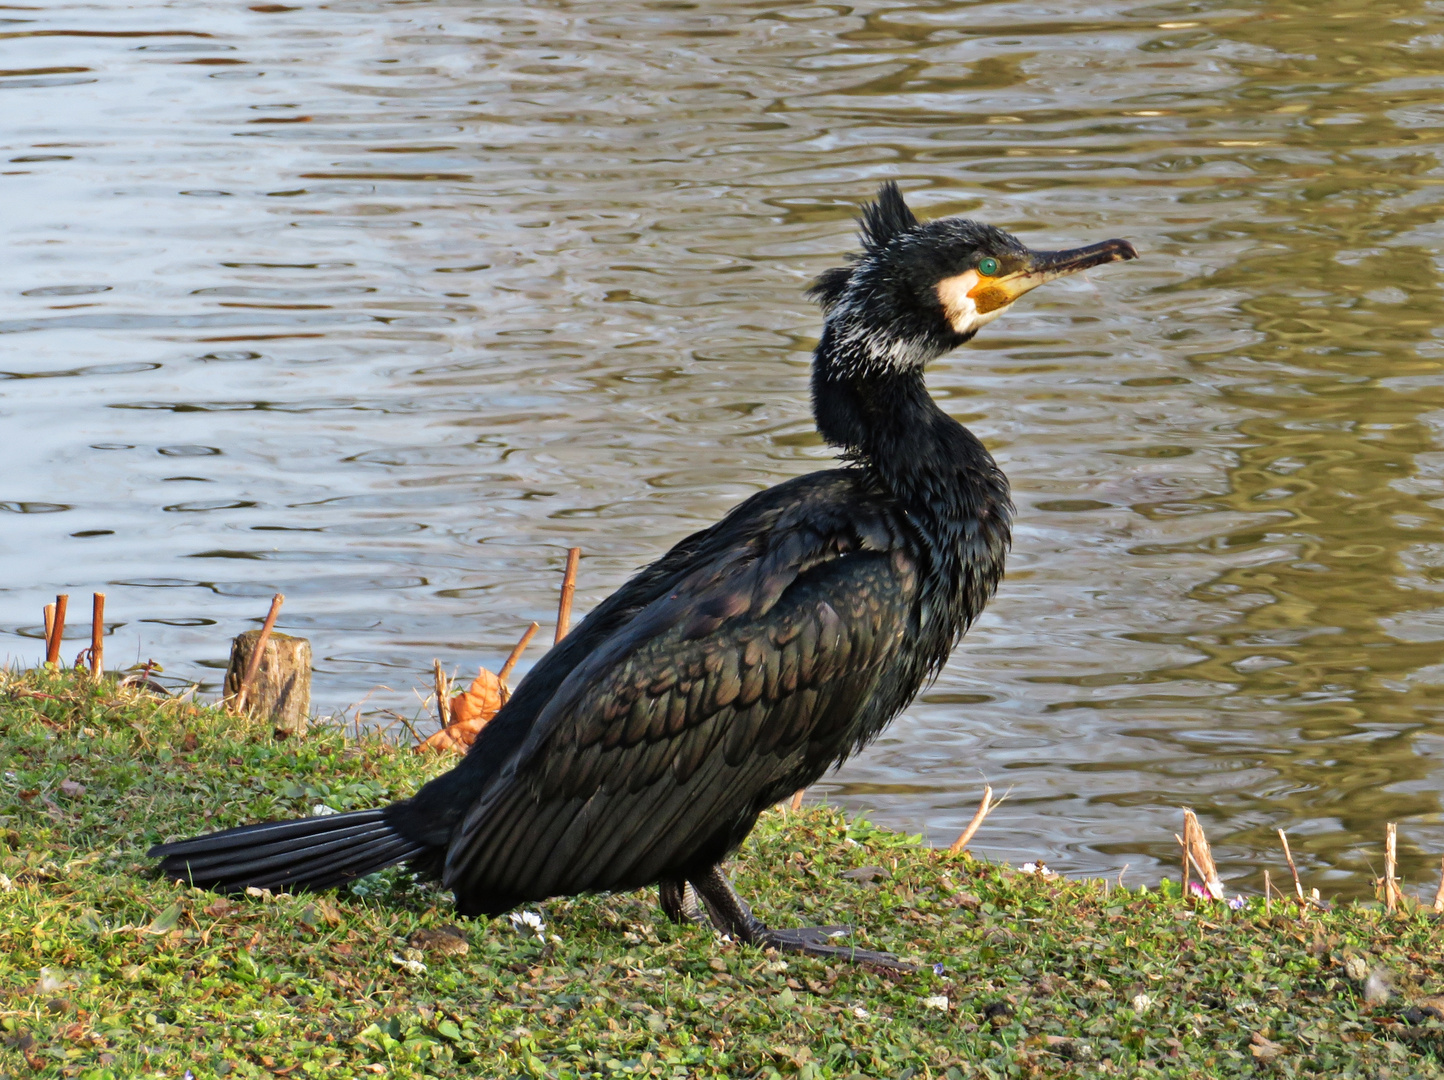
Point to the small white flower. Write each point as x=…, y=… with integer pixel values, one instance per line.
x=937, y=1001
x=322, y=810
x=6, y=885
x=861, y=1013
x=1142, y=1003
x=413, y=967
x=529, y=922
x=51, y=980
x=1039, y=868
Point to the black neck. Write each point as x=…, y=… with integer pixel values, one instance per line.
x=885, y=419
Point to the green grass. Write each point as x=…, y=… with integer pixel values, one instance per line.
x=107, y=972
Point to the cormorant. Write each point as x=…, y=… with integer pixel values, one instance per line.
x=747, y=661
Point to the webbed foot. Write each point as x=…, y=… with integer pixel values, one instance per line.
x=730, y=914
x=824, y=941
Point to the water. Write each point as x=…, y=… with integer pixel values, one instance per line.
x=385, y=305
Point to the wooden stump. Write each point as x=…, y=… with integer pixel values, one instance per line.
x=282, y=688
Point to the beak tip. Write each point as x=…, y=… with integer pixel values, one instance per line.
x=1125, y=250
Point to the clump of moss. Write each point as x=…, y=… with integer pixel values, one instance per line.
x=108, y=972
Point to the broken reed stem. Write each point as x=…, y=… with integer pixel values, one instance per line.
x=49, y=628
x=1183, y=879
x=1195, y=843
x=1294, y=870
x=57, y=629
x=569, y=587
x=517, y=650
x=1392, y=893
x=797, y=799
x=1268, y=894
x=442, y=696
x=97, y=635
x=409, y=727
x=985, y=808
x=1439, y=893
x=260, y=651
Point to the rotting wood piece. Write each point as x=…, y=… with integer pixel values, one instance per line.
x=281, y=688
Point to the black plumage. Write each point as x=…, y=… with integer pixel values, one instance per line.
x=747, y=661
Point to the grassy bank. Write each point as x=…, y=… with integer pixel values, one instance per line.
x=106, y=972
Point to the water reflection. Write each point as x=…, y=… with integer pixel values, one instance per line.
x=384, y=306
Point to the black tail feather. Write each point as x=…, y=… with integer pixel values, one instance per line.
x=309, y=853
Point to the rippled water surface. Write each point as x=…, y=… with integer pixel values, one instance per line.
x=384, y=305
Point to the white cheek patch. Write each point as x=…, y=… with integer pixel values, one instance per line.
x=959, y=307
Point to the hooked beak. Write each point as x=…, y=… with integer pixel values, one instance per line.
x=990, y=294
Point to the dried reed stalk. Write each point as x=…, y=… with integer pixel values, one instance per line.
x=1298, y=886
x=1199, y=853
x=57, y=630
x=1439, y=893
x=1184, y=877
x=569, y=587
x=97, y=635
x=49, y=628
x=517, y=650
x=986, y=807
x=255, y=665
x=1392, y=893
x=443, y=695
x=797, y=799
x=1268, y=894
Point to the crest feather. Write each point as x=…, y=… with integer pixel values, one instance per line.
x=887, y=218
x=882, y=222
x=827, y=290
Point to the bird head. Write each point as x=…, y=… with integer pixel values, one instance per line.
x=919, y=289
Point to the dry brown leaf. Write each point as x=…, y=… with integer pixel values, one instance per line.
x=1264, y=1049
x=328, y=911
x=470, y=711
x=443, y=941
x=480, y=701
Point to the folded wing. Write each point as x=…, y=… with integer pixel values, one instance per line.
x=753, y=675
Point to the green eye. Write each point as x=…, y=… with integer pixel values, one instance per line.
x=988, y=267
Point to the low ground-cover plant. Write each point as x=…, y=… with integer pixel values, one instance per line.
x=107, y=972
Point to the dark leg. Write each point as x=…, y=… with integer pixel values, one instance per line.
x=731, y=915
x=680, y=904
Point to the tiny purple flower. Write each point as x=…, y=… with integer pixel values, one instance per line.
x=938, y=969
x=1238, y=903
